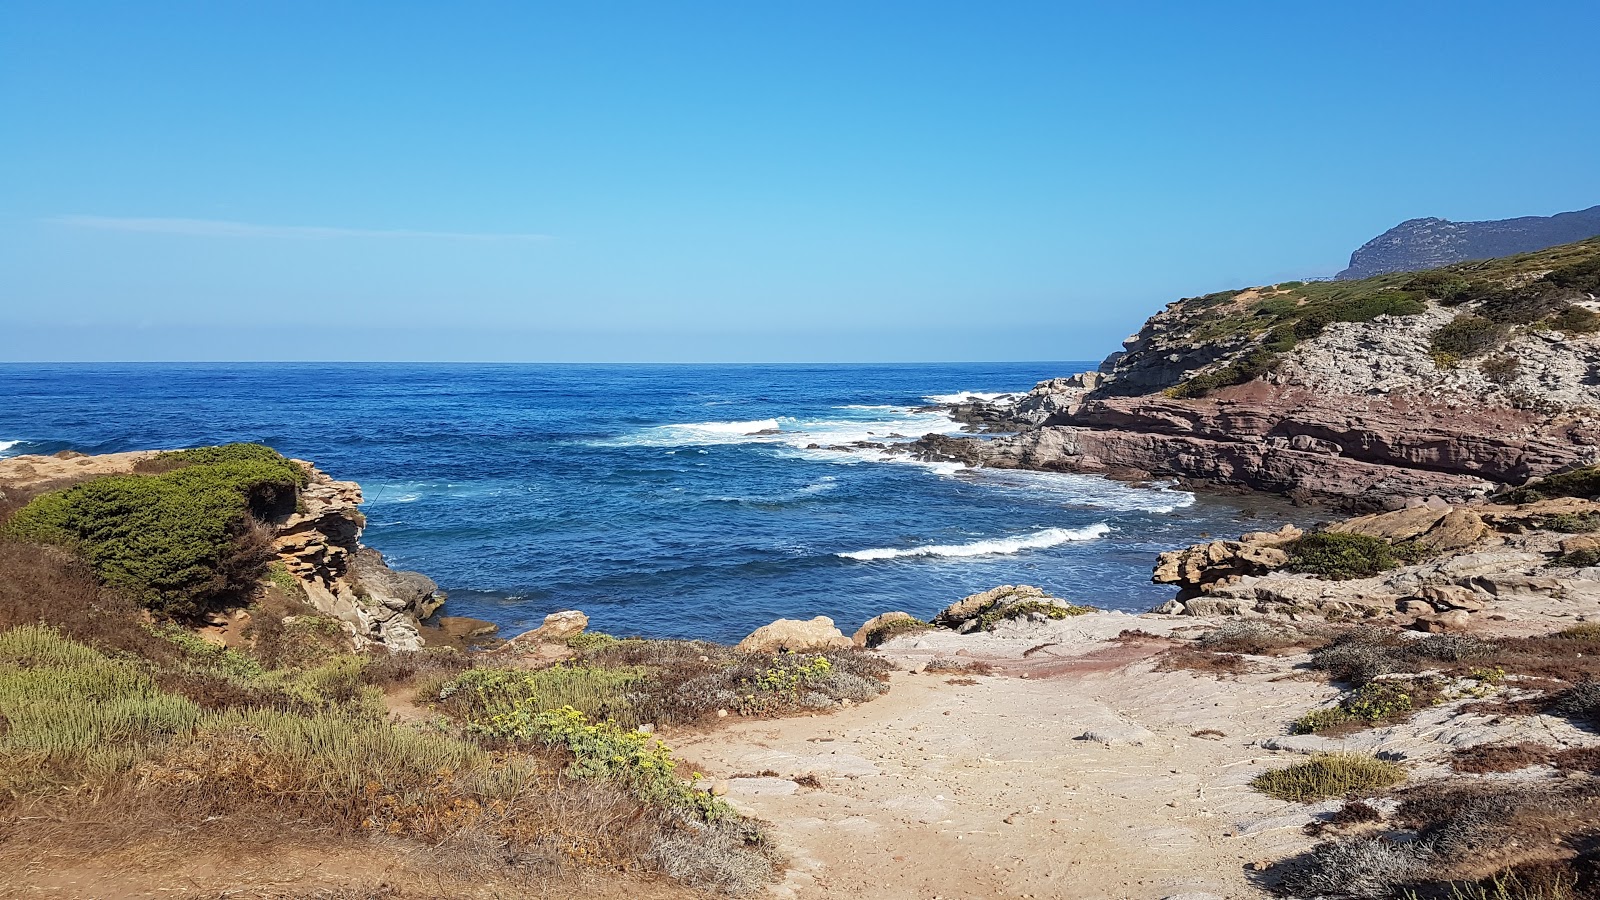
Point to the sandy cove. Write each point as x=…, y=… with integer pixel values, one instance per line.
x=1073, y=772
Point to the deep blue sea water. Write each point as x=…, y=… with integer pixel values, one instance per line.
x=675, y=501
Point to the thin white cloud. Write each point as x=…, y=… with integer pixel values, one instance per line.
x=225, y=229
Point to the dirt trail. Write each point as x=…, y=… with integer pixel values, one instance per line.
x=990, y=790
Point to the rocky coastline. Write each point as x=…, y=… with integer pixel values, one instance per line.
x=1358, y=415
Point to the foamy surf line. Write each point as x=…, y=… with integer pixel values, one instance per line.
x=1039, y=540
x=5, y=446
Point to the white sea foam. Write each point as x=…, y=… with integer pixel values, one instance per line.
x=886, y=424
x=966, y=397
x=5, y=446
x=1085, y=490
x=1039, y=540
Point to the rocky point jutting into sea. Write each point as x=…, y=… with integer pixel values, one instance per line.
x=1357, y=394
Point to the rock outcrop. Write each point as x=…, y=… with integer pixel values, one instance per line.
x=320, y=545
x=794, y=635
x=1323, y=398
x=1472, y=562
x=1429, y=243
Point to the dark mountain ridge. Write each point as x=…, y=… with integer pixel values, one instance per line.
x=1418, y=244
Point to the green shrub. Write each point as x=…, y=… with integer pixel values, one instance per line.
x=1583, y=483
x=1384, y=303
x=1467, y=335
x=72, y=714
x=1523, y=306
x=1576, y=320
x=1253, y=365
x=478, y=695
x=1340, y=557
x=1025, y=608
x=1578, y=559
x=882, y=633
x=181, y=542
x=1441, y=284
x=592, y=642
x=1328, y=775
x=1588, y=631
x=1502, y=369
x=605, y=750
x=1373, y=703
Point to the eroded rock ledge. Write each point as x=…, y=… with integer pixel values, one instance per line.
x=320, y=545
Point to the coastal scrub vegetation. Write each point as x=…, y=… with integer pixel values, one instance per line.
x=1583, y=482
x=183, y=540
x=1327, y=775
x=1256, y=327
x=1341, y=557
x=111, y=714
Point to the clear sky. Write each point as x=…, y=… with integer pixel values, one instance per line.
x=740, y=181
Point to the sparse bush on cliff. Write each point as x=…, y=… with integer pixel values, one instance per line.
x=1583, y=483
x=1501, y=369
x=1340, y=557
x=181, y=542
x=1464, y=336
x=1328, y=775
x=1576, y=320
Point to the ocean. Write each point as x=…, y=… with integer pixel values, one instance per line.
x=662, y=500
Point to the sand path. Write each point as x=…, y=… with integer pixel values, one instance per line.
x=987, y=790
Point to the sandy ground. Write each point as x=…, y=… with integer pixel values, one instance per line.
x=1073, y=772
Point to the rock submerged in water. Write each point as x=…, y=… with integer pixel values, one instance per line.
x=794, y=635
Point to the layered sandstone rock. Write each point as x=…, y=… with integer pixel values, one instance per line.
x=320, y=545
x=794, y=635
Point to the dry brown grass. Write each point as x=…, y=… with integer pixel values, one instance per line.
x=1192, y=660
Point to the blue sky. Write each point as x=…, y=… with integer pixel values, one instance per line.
x=818, y=181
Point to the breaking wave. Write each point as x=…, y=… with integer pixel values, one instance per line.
x=1039, y=540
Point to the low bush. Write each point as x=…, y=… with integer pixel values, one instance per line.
x=1578, y=559
x=884, y=632
x=1340, y=557
x=1024, y=609
x=181, y=542
x=1251, y=366
x=1502, y=369
x=1576, y=320
x=1260, y=638
x=1580, y=703
x=479, y=694
x=1327, y=775
x=1373, y=703
x=1467, y=335
x=1361, y=655
x=1583, y=483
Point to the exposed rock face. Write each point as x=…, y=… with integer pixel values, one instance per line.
x=1474, y=568
x=320, y=545
x=1200, y=568
x=795, y=635
x=1356, y=414
x=1429, y=243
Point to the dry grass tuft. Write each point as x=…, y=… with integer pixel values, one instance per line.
x=1328, y=775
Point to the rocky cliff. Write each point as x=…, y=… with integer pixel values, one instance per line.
x=1362, y=394
x=1429, y=243
x=320, y=545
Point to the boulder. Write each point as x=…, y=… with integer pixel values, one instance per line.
x=966, y=615
x=794, y=635
x=1450, y=596
x=877, y=622
x=558, y=626
x=1456, y=530
x=1400, y=525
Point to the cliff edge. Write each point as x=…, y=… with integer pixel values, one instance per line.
x=1360, y=394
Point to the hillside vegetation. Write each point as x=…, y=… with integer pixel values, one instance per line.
x=1493, y=299
x=116, y=711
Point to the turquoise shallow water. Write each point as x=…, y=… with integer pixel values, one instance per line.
x=662, y=500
